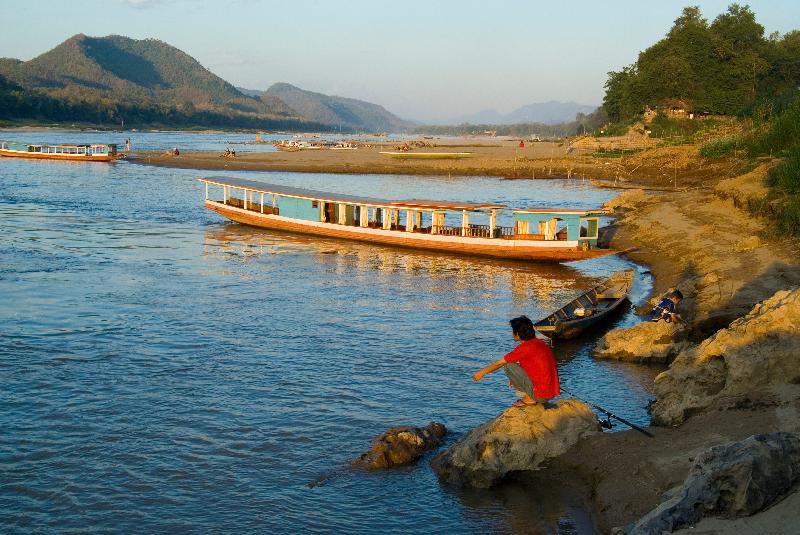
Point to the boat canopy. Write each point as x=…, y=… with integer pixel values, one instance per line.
x=570, y=223
x=301, y=193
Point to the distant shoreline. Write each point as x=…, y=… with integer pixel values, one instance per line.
x=489, y=157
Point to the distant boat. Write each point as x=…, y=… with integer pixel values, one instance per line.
x=82, y=153
x=428, y=155
x=543, y=234
x=589, y=309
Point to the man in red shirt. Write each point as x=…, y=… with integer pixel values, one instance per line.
x=531, y=367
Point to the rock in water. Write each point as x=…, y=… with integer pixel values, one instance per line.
x=521, y=438
x=730, y=480
x=402, y=445
x=755, y=353
x=650, y=341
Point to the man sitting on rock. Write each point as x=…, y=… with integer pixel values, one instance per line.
x=665, y=309
x=531, y=367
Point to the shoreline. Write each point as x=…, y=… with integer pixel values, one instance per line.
x=725, y=262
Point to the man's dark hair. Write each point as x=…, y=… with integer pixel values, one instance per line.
x=678, y=294
x=523, y=327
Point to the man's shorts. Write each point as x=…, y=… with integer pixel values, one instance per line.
x=520, y=380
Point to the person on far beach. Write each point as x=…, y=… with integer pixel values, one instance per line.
x=530, y=367
x=665, y=309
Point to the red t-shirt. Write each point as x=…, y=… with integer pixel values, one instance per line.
x=540, y=364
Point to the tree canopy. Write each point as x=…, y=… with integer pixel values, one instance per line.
x=722, y=67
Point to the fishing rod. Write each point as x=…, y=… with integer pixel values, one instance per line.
x=609, y=415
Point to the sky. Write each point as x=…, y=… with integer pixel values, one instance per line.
x=422, y=60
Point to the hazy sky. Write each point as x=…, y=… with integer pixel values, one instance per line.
x=424, y=60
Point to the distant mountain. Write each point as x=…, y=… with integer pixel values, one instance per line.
x=552, y=112
x=147, y=78
x=339, y=112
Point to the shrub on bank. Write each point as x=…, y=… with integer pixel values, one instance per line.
x=719, y=147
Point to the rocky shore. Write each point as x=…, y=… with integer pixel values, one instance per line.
x=733, y=380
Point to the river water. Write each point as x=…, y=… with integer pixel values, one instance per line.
x=163, y=370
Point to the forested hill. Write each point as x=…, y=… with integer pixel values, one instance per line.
x=144, y=82
x=344, y=113
x=722, y=67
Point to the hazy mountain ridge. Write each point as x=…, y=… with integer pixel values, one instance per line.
x=340, y=112
x=551, y=112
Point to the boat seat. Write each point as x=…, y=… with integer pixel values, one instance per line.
x=610, y=295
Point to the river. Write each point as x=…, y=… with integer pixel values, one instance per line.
x=164, y=370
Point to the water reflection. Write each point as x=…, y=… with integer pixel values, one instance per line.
x=541, y=283
x=531, y=504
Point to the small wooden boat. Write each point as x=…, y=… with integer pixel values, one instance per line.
x=589, y=309
x=83, y=153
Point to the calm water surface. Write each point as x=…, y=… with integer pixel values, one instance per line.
x=165, y=371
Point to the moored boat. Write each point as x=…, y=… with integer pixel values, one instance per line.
x=427, y=155
x=589, y=309
x=83, y=152
x=543, y=234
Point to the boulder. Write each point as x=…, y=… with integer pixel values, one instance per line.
x=520, y=438
x=649, y=341
x=755, y=353
x=401, y=445
x=731, y=480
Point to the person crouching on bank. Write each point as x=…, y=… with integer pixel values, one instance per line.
x=530, y=367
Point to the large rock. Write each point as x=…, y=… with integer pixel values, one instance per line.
x=649, y=341
x=401, y=445
x=731, y=480
x=521, y=438
x=753, y=354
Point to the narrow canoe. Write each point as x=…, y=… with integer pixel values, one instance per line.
x=589, y=309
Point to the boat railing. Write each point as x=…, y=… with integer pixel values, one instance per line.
x=472, y=231
x=252, y=206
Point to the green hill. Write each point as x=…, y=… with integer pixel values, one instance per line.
x=339, y=112
x=141, y=81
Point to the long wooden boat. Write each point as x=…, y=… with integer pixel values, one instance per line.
x=83, y=153
x=589, y=309
x=427, y=155
x=543, y=234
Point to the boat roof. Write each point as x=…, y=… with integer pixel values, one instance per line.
x=564, y=211
x=71, y=145
x=327, y=196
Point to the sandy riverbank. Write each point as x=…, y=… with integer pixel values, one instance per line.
x=490, y=157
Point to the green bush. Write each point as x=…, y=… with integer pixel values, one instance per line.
x=666, y=127
x=778, y=136
x=719, y=147
x=786, y=176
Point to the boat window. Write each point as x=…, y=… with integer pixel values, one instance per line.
x=314, y=204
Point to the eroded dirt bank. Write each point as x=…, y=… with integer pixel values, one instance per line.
x=726, y=262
